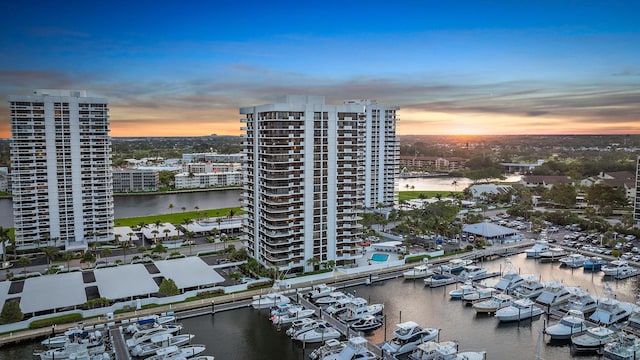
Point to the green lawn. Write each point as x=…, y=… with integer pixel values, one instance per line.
x=409, y=195
x=177, y=217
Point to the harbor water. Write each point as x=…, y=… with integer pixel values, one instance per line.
x=247, y=334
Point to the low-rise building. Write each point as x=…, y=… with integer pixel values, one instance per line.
x=133, y=180
x=546, y=181
x=186, y=180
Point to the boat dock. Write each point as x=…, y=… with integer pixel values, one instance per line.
x=120, y=350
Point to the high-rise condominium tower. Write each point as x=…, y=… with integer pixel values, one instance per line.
x=61, y=169
x=311, y=170
x=636, y=199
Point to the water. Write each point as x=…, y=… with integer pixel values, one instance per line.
x=444, y=184
x=154, y=204
x=247, y=333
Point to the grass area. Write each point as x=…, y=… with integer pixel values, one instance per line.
x=63, y=319
x=177, y=217
x=409, y=195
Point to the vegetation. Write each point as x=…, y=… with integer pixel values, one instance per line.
x=11, y=312
x=62, y=319
x=168, y=287
x=176, y=217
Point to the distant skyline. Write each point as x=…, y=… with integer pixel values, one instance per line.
x=184, y=68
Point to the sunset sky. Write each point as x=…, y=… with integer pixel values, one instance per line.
x=174, y=68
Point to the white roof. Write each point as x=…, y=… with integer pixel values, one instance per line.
x=4, y=291
x=408, y=325
x=488, y=230
x=148, y=231
x=124, y=232
x=188, y=272
x=125, y=281
x=52, y=291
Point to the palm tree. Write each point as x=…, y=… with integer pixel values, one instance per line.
x=185, y=224
x=231, y=213
x=4, y=238
x=166, y=233
x=171, y=207
x=50, y=252
x=24, y=261
x=124, y=247
x=455, y=185
x=68, y=256
x=314, y=261
x=130, y=234
x=155, y=233
x=183, y=209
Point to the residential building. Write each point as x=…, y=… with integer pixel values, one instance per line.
x=213, y=157
x=546, y=181
x=636, y=200
x=311, y=169
x=61, y=169
x=620, y=180
x=433, y=163
x=4, y=179
x=135, y=180
x=209, y=179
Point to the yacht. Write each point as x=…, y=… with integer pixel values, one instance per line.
x=439, y=280
x=320, y=333
x=367, y=323
x=570, y=324
x=455, y=265
x=617, y=268
x=407, y=337
x=444, y=350
x=331, y=346
x=624, y=347
x=320, y=290
x=520, y=309
x=580, y=300
x=75, y=350
x=283, y=309
x=69, y=335
x=593, y=339
x=418, y=272
x=160, y=341
x=146, y=335
x=633, y=324
x=472, y=272
x=358, y=308
x=355, y=348
x=554, y=294
x=610, y=311
x=594, y=263
x=464, y=289
x=480, y=294
x=331, y=298
x=291, y=315
x=497, y=301
x=177, y=352
x=538, y=248
x=510, y=279
x=573, y=261
x=272, y=299
x=553, y=254
x=301, y=325
x=530, y=287
x=339, y=306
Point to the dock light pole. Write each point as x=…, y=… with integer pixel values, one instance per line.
x=213, y=307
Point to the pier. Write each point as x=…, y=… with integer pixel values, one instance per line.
x=120, y=350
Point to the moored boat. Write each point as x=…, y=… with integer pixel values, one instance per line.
x=407, y=336
x=354, y=348
x=178, y=352
x=593, y=339
x=554, y=294
x=367, y=323
x=439, y=280
x=594, y=263
x=320, y=333
x=472, y=272
x=160, y=341
x=623, y=347
x=616, y=268
x=269, y=300
x=496, y=302
x=464, y=289
x=570, y=324
x=480, y=294
x=455, y=265
x=520, y=309
x=538, y=248
x=418, y=272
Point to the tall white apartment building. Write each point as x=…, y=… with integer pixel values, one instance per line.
x=636, y=198
x=61, y=169
x=310, y=171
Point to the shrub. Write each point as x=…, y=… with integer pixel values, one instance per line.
x=11, y=312
x=64, y=319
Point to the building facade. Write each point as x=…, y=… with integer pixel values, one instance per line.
x=61, y=169
x=310, y=170
x=134, y=180
x=636, y=199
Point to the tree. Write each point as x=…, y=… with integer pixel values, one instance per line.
x=4, y=238
x=130, y=234
x=88, y=257
x=166, y=233
x=106, y=252
x=50, y=252
x=171, y=207
x=314, y=261
x=68, y=256
x=11, y=312
x=24, y=261
x=124, y=246
x=168, y=287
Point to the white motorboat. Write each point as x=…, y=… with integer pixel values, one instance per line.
x=291, y=315
x=444, y=350
x=439, y=280
x=331, y=346
x=570, y=324
x=530, y=287
x=320, y=333
x=624, y=347
x=178, y=353
x=150, y=321
x=455, y=265
x=339, y=306
x=69, y=335
x=538, y=248
x=553, y=254
x=594, y=263
x=580, y=300
x=574, y=260
x=75, y=350
x=633, y=323
x=510, y=279
x=272, y=299
x=480, y=294
x=367, y=323
x=554, y=294
x=520, y=309
x=320, y=290
x=160, y=341
x=283, y=309
x=418, y=272
x=407, y=337
x=610, y=311
x=358, y=308
x=332, y=297
x=472, y=272
x=464, y=289
x=496, y=302
x=301, y=325
x=355, y=348
x=617, y=268
x=593, y=339
x=146, y=335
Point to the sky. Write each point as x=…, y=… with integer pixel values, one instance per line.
x=184, y=68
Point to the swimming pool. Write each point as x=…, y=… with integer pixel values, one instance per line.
x=380, y=257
